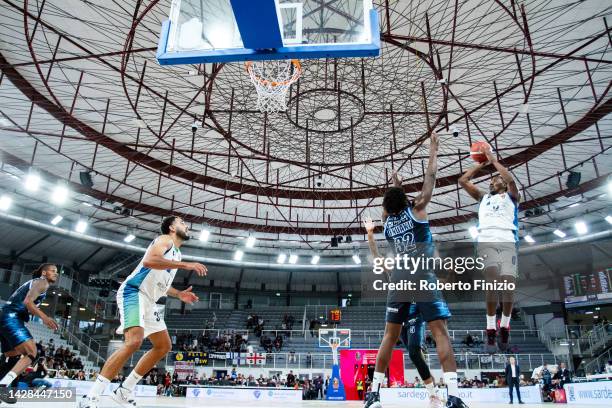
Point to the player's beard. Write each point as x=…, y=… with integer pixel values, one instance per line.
x=183, y=235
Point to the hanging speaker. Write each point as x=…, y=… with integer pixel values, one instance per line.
x=573, y=179
x=86, y=179
x=334, y=242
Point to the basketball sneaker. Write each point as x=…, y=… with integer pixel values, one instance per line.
x=6, y=396
x=123, y=397
x=455, y=402
x=491, y=346
x=87, y=402
x=504, y=337
x=435, y=402
x=373, y=401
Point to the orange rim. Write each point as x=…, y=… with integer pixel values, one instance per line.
x=296, y=64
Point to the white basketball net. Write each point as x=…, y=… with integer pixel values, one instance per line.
x=272, y=80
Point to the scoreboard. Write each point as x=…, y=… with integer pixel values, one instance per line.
x=335, y=315
x=587, y=287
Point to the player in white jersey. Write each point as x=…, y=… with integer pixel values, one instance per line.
x=136, y=300
x=497, y=242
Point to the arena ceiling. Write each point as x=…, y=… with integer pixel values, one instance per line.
x=81, y=91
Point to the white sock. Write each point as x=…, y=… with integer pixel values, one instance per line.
x=378, y=380
x=505, y=321
x=8, y=378
x=450, y=379
x=490, y=322
x=131, y=380
x=431, y=389
x=98, y=386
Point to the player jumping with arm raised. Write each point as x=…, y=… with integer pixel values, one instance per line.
x=406, y=228
x=497, y=241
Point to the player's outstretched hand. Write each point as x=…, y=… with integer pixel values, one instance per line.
x=397, y=179
x=50, y=323
x=434, y=141
x=187, y=296
x=369, y=224
x=198, y=268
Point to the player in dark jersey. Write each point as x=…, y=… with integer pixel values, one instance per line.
x=407, y=230
x=18, y=346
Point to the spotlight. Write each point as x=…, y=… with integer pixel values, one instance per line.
x=473, y=231
x=250, y=242
x=32, y=182
x=293, y=259
x=238, y=255
x=5, y=202
x=529, y=239
x=204, y=235
x=609, y=219
x=356, y=259
x=315, y=259
x=559, y=233
x=60, y=194
x=129, y=238
x=281, y=258
x=81, y=227
x=57, y=219
x=277, y=294
x=581, y=228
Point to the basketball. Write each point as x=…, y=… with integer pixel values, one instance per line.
x=477, y=151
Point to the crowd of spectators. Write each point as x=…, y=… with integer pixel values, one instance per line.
x=210, y=341
x=170, y=384
x=58, y=358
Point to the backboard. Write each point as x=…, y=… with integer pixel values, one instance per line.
x=200, y=31
x=340, y=337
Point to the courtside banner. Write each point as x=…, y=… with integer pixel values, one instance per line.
x=83, y=387
x=593, y=393
x=530, y=395
x=244, y=394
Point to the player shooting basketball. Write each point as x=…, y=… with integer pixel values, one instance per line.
x=497, y=240
x=406, y=228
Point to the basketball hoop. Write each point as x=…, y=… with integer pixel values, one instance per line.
x=334, y=347
x=272, y=80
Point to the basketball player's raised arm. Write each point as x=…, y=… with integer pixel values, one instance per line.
x=154, y=258
x=429, y=180
x=369, y=226
x=504, y=173
x=38, y=287
x=464, y=181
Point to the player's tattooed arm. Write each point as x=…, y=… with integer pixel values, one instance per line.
x=39, y=286
x=154, y=258
x=504, y=173
x=186, y=296
x=468, y=186
x=429, y=180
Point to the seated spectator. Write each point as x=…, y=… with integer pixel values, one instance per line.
x=469, y=340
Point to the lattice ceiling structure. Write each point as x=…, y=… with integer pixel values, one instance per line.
x=81, y=90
